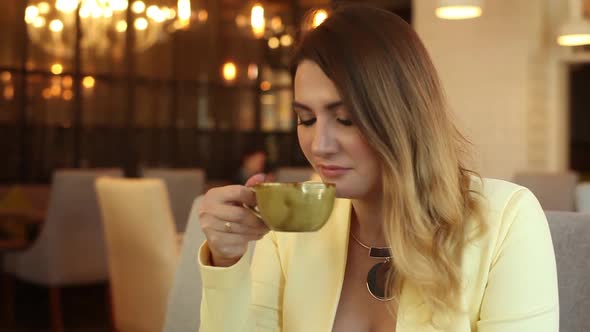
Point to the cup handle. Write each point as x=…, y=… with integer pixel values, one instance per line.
x=253, y=209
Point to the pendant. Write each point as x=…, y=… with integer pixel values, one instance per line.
x=380, y=252
x=377, y=281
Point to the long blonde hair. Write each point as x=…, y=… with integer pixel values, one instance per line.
x=391, y=89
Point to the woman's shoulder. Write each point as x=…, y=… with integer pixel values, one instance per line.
x=501, y=195
x=503, y=203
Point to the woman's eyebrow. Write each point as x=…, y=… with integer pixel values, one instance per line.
x=333, y=105
x=301, y=106
x=329, y=106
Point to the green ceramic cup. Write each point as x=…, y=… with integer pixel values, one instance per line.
x=294, y=207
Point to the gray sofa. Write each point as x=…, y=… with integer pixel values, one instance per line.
x=184, y=300
x=571, y=238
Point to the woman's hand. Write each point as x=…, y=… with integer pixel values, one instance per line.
x=229, y=226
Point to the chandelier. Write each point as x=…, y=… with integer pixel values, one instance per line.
x=103, y=25
x=272, y=28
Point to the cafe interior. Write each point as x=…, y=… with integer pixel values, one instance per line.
x=178, y=97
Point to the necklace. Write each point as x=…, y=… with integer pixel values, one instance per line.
x=379, y=274
x=374, y=252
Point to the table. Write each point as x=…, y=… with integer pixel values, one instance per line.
x=31, y=221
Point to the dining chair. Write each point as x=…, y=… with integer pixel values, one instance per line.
x=183, y=186
x=142, y=250
x=69, y=249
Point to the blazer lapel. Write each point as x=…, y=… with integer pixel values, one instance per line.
x=313, y=290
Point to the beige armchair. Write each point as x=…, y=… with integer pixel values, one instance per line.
x=70, y=248
x=142, y=250
x=183, y=186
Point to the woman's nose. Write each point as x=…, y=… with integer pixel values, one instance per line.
x=324, y=141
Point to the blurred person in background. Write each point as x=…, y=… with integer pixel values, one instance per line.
x=254, y=160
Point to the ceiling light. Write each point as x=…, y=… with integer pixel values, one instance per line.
x=576, y=30
x=458, y=9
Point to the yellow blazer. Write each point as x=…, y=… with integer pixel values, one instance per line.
x=294, y=282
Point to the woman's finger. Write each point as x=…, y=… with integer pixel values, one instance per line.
x=233, y=213
x=240, y=215
x=236, y=228
x=234, y=194
x=255, y=179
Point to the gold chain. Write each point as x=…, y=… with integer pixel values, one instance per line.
x=359, y=242
x=371, y=248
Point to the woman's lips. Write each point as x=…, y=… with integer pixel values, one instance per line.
x=330, y=171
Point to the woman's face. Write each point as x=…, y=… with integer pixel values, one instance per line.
x=330, y=141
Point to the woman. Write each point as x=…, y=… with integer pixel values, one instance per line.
x=458, y=253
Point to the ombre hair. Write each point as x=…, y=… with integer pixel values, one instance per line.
x=390, y=87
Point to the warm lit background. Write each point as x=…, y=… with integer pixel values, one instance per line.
x=186, y=87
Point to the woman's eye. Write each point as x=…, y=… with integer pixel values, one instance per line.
x=306, y=123
x=345, y=122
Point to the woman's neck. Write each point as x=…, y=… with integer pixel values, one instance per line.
x=367, y=221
